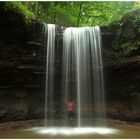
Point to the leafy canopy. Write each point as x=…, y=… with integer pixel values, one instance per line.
x=75, y=13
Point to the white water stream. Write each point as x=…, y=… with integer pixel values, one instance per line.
x=82, y=76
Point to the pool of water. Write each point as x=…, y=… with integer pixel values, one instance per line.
x=71, y=132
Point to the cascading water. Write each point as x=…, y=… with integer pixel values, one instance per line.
x=83, y=66
x=49, y=38
x=82, y=75
x=74, y=70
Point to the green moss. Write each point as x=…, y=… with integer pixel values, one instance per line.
x=126, y=49
x=19, y=7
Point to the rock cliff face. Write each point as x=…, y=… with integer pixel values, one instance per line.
x=21, y=67
x=122, y=75
x=122, y=89
x=22, y=71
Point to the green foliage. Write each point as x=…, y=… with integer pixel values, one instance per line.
x=19, y=7
x=126, y=49
x=74, y=13
x=85, y=13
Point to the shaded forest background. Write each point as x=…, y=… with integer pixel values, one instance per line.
x=74, y=13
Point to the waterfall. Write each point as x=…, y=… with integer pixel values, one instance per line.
x=82, y=58
x=82, y=74
x=49, y=38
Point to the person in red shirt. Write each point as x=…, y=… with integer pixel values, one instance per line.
x=70, y=109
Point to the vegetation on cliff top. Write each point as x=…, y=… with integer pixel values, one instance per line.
x=18, y=7
x=74, y=13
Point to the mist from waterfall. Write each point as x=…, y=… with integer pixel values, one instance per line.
x=82, y=73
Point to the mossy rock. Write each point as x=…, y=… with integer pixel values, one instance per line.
x=127, y=33
x=13, y=25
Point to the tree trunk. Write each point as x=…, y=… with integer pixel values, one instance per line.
x=79, y=15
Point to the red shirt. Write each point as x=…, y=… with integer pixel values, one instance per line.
x=70, y=106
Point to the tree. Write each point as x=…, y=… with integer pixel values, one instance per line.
x=77, y=13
